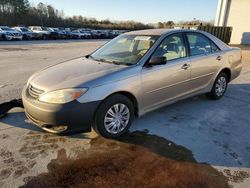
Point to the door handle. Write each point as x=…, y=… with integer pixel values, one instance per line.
x=218, y=58
x=185, y=66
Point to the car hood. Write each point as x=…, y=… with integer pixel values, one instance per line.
x=78, y=72
x=28, y=32
x=12, y=32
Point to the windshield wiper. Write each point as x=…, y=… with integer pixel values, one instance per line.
x=110, y=61
x=128, y=64
x=116, y=62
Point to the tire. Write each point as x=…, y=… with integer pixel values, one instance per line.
x=25, y=37
x=4, y=37
x=116, y=128
x=44, y=37
x=219, y=87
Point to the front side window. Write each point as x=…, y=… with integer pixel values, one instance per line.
x=172, y=47
x=126, y=49
x=199, y=44
x=24, y=29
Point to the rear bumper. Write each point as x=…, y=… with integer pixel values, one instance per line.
x=74, y=115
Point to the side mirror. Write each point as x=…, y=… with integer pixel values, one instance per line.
x=157, y=61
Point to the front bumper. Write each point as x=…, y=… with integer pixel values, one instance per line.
x=77, y=117
x=12, y=37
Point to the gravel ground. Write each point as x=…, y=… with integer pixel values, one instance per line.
x=215, y=133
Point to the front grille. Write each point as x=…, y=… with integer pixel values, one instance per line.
x=34, y=92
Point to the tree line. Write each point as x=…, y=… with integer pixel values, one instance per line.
x=21, y=12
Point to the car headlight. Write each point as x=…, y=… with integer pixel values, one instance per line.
x=7, y=33
x=62, y=96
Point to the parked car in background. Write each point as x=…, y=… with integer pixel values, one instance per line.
x=102, y=34
x=71, y=34
x=87, y=34
x=42, y=32
x=77, y=34
x=95, y=34
x=27, y=34
x=133, y=74
x=115, y=33
x=54, y=34
x=66, y=34
x=10, y=34
x=39, y=32
x=58, y=33
x=81, y=34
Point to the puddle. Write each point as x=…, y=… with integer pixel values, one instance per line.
x=136, y=160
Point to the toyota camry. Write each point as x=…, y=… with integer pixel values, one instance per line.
x=131, y=75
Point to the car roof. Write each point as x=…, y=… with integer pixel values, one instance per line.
x=158, y=32
x=163, y=32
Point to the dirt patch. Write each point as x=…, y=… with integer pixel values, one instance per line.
x=13, y=49
x=20, y=171
x=5, y=173
x=136, y=160
x=5, y=153
x=236, y=176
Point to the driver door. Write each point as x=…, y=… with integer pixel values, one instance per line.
x=163, y=83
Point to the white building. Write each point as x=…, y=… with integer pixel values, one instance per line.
x=235, y=13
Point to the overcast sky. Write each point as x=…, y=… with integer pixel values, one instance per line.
x=146, y=11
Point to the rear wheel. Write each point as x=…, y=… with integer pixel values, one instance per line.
x=219, y=87
x=114, y=117
x=44, y=37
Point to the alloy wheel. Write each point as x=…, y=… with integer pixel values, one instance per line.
x=221, y=86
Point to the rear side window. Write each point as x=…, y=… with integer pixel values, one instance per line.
x=199, y=44
x=214, y=47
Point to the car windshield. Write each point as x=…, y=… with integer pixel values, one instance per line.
x=6, y=29
x=126, y=49
x=24, y=29
x=45, y=29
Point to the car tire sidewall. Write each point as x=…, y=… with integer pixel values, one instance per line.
x=25, y=37
x=4, y=37
x=98, y=124
x=213, y=93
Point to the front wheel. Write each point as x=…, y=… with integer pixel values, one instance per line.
x=114, y=117
x=4, y=37
x=219, y=87
x=25, y=37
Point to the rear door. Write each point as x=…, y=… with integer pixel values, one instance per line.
x=205, y=60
